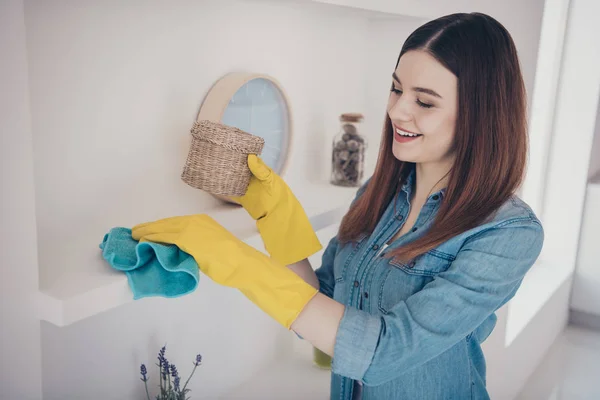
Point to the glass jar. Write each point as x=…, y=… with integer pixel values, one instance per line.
x=348, y=152
x=321, y=360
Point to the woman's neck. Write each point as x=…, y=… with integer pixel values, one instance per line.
x=430, y=177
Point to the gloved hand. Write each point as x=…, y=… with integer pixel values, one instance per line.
x=225, y=259
x=281, y=221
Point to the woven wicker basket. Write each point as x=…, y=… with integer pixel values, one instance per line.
x=218, y=158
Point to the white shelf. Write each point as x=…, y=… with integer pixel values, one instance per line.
x=96, y=287
x=586, y=281
x=538, y=286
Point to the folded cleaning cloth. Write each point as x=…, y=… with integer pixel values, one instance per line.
x=152, y=269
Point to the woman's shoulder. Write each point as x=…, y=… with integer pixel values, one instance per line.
x=514, y=210
x=513, y=224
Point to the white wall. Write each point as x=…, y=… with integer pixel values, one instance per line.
x=585, y=298
x=594, y=170
x=385, y=38
x=20, y=375
x=115, y=87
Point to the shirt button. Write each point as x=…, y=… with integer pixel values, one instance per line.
x=375, y=246
x=355, y=283
x=411, y=265
x=366, y=295
x=400, y=217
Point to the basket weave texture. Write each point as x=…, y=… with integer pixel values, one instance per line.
x=217, y=161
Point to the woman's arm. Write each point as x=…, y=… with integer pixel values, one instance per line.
x=323, y=280
x=305, y=271
x=319, y=321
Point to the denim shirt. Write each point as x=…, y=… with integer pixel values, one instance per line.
x=414, y=331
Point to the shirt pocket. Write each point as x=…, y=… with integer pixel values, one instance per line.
x=399, y=280
x=344, y=257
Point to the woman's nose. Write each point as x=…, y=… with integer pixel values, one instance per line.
x=400, y=110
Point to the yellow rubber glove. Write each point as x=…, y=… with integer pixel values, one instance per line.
x=225, y=259
x=281, y=221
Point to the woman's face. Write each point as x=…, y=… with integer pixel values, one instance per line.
x=423, y=101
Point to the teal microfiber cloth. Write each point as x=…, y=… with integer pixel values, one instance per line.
x=152, y=269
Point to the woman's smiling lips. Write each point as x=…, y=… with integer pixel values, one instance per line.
x=404, y=136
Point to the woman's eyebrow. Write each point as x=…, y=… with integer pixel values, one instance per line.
x=419, y=89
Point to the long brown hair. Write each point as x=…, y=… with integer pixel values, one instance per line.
x=490, y=141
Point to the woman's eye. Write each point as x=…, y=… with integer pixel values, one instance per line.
x=419, y=102
x=424, y=105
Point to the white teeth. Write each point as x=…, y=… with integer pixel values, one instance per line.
x=402, y=133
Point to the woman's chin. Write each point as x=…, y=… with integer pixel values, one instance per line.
x=403, y=156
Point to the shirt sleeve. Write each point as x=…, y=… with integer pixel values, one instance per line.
x=325, y=271
x=484, y=275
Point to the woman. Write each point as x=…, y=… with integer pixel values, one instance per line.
x=434, y=243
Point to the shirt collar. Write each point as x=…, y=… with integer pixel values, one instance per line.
x=408, y=184
x=407, y=187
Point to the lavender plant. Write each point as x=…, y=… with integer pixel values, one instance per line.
x=169, y=379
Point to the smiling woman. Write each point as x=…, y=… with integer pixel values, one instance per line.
x=436, y=240
x=470, y=135
x=434, y=243
x=423, y=117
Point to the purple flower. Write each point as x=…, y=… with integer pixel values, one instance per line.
x=144, y=372
x=165, y=368
x=175, y=375
x=161, y=355
x=198, y=360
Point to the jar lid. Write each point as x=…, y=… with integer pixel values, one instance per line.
x=351, y=117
